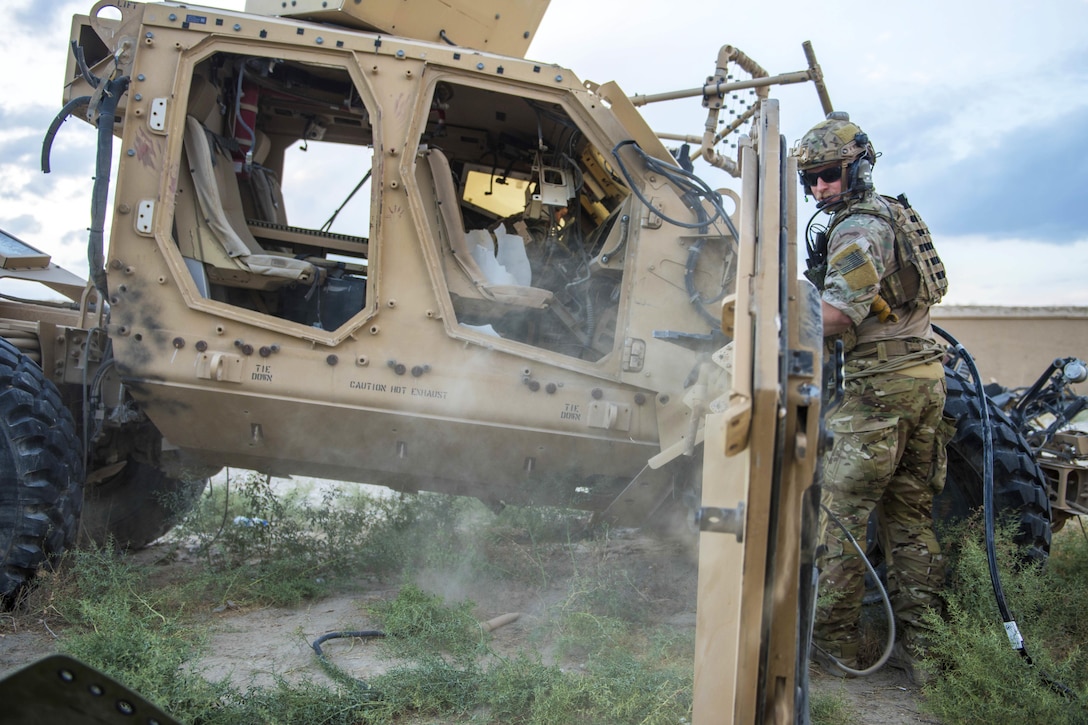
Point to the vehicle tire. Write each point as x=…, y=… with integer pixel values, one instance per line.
x=1020, y=486
x=41, y=472
x=137, y=505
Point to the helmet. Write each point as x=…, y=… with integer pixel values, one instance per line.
x=834, y=139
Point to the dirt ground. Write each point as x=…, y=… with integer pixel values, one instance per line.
x=252, y=646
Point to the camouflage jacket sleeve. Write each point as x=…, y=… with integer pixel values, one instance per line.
x=859, y=251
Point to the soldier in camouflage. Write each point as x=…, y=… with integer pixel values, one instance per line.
x=888, y=454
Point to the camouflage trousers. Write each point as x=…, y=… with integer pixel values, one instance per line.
x=889, y=457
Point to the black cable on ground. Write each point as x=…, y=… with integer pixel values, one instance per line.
x=1013, y=632
x=333, y=670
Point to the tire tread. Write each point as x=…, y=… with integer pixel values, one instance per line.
x=1020, y=485
x=41, y=471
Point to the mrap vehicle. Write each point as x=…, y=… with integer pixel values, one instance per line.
x=537, y=303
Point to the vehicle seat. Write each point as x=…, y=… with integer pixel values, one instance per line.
x=234, y=257
x=454, y=227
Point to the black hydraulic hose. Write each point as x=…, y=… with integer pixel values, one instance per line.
x=107, y=113
x=337, y=635
x=1013, y=632
x=988, y=493
x=682, y=179
x=110, y=95
x=84, y=69
x=692, y=191
x=333, y=670
x=54, y=127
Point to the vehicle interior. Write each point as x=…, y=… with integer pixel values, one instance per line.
x=528, y=218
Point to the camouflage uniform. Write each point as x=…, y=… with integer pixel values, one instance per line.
x=889, y=449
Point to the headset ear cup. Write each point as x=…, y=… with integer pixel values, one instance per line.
x=860, y=175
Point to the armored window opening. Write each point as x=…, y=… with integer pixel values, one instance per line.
x=525, y=215
x=273, y=202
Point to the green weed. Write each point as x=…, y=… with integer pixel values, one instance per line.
x=981, y=678
x=145, y=629
x=115, y=622
x=831, y=708
x=289, y=704
x=419, y=625
x=601, y=652
x=517, y=686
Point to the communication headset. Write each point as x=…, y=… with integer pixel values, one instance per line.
x=860, y=172
x=860, y=175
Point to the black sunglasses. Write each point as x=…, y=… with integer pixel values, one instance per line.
x=829, y=176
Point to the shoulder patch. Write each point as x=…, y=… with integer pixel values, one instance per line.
x=855, y=267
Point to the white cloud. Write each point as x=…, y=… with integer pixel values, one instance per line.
x=934, y=81
x=1014, y=272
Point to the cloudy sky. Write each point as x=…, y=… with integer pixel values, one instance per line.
x=978, y=107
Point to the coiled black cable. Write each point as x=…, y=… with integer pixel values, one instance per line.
x=687, y=182
x=693, y=191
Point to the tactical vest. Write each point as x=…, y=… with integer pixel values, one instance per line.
x=920, y=277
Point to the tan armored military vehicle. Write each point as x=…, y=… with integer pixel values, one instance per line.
x=522, y=310
x=485, y=277
x=373, y=242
